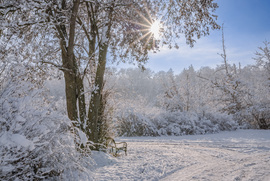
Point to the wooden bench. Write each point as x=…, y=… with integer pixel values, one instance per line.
x=114, y=148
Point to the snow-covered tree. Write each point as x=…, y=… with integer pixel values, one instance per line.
x=260, y=109
x=188, y=86
x=172, y=99
x=233, y=94
x=263, y=60
x=87, y=30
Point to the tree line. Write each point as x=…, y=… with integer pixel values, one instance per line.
x=241, y=92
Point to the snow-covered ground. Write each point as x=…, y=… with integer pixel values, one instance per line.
x=236, y=155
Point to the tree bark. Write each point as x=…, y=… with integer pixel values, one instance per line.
x=95, y=107
x=71, y=92
x=81, y=101
x=69, y=64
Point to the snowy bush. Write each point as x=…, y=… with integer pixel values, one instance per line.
x=138, y=122
x=35, y=139
x=189, y=123
x=255, y=117
x=130, y=123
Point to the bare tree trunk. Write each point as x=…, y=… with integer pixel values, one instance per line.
x=71, y=93
x=69, y=64
x=81, y=101
x=95, y=107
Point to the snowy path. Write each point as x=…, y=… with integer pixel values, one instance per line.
x=239, y=155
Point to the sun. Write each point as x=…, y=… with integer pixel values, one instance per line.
x=155, y=29
x=151, y=29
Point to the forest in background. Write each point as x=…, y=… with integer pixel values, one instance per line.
x=147, y=103
x=208, y=100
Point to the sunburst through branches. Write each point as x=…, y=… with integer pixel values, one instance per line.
x=150, y=29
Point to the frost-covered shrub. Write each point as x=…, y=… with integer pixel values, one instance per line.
x=255, y=117
x=189, y=123
x=134, y=118
x=224, y=122
x=35, y=139
x=130, y=123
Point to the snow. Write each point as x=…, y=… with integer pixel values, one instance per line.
x=102, y=159
x=235, y=155
x=18, y=140
x=83, y=139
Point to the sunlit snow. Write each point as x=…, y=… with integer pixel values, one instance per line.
x=236, y=155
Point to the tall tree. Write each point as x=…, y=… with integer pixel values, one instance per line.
x=234, y=94
x=88, y=30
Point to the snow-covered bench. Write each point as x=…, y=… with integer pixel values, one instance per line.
x=114, y=148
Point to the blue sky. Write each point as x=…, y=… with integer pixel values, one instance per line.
x=246, y=26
